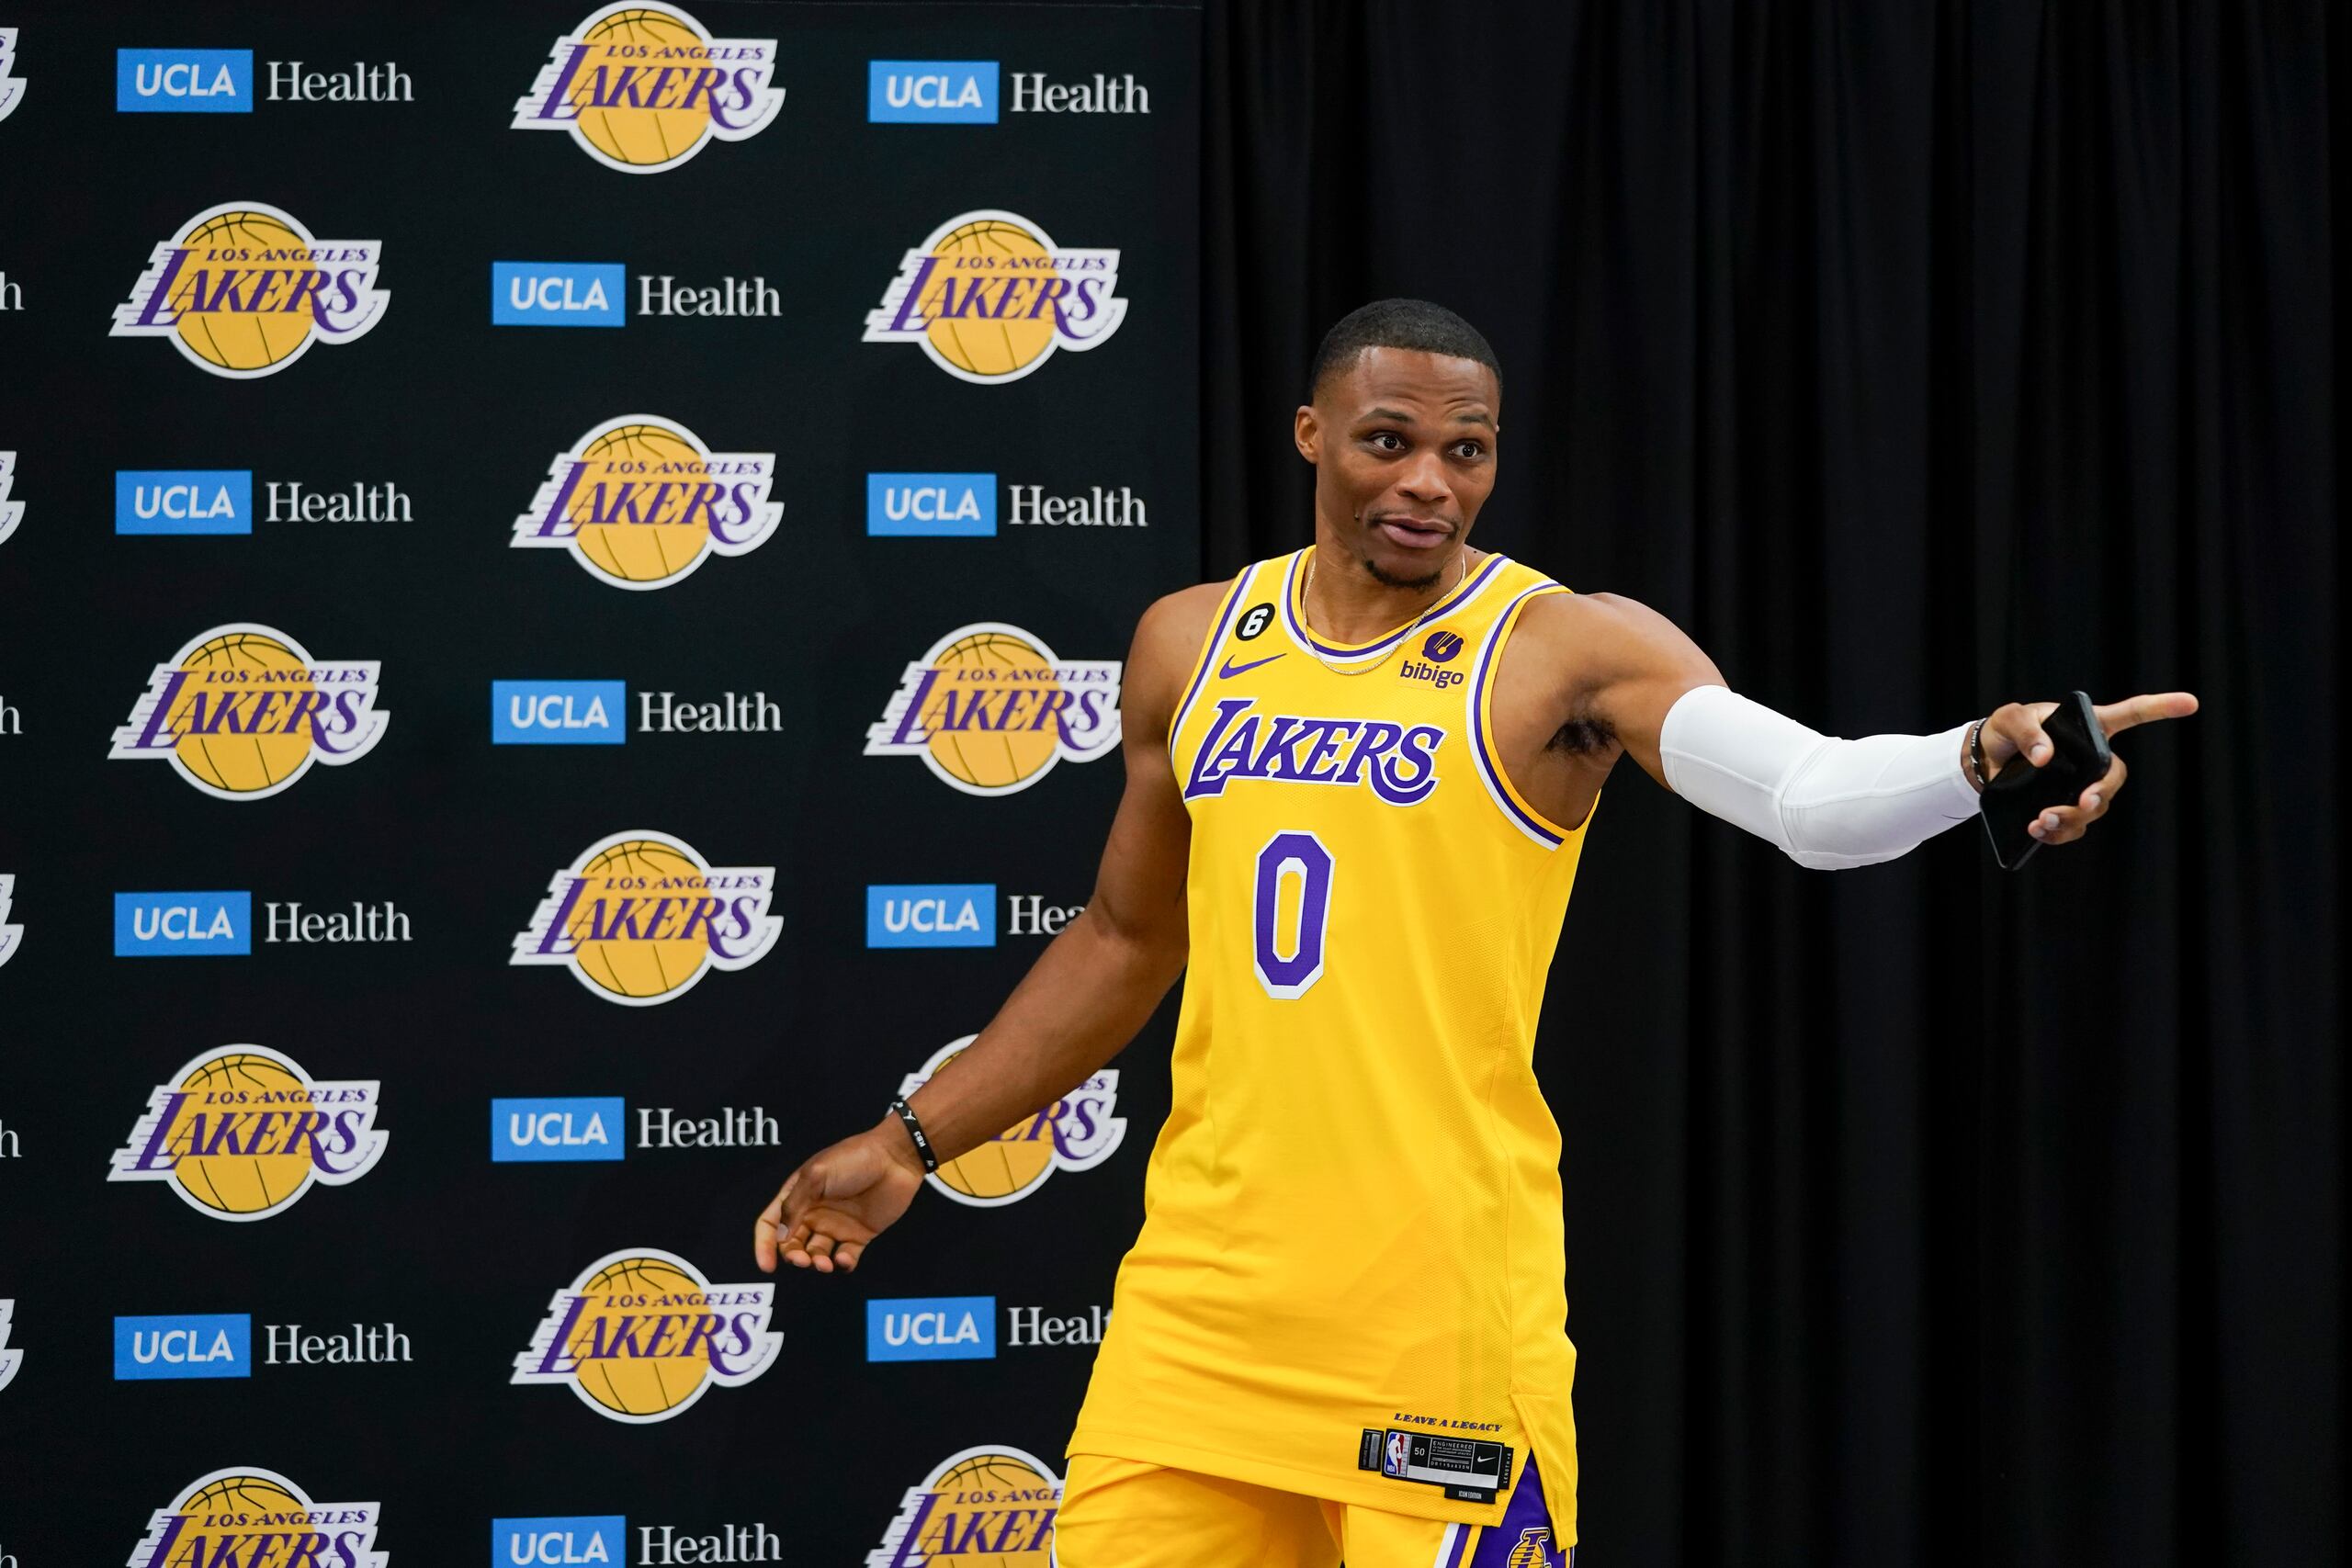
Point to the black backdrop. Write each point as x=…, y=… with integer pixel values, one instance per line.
x=1914, y=357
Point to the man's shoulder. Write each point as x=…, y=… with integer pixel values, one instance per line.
x=1595, y=623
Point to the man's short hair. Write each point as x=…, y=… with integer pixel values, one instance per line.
x=1414, y=325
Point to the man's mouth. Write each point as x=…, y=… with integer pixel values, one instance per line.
x=1413, y=533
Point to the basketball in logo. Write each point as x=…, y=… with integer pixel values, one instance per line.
x=243, y=291
x=990, y=296
x=242, y=711
x=643, y=88
x=990, y=710
x=241, y=1132
x=248, y=1515
x=642, y=1335
x=1078, y=1132
x=639, y=918
x=640, y=503
x=992, y=1506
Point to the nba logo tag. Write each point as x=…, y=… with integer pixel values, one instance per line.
x=639, y=918
x=990, y=296
x=244, y=291
x=246, y=1514
x=1076, y=1133
x=640, y=503
x=242, y=1131
x=10, y=92
x=11, y=512
x=643, y=88
x=642, y=1335
x=990, y=709
x=1002, y=1495
x=242, y=712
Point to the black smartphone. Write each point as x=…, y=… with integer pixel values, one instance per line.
x=2021, y=792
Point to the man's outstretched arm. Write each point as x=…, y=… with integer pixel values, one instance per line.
x=1827, y=801
x=1093, y=987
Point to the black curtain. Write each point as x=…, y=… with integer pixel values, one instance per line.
x=1915, y=357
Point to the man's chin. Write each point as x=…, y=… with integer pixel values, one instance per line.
x=1398, y=569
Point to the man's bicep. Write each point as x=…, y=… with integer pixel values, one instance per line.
x=1643, y=663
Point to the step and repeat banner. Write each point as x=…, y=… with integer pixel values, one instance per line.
x=564, y=582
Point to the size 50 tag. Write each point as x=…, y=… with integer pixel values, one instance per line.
x=1465, y=1470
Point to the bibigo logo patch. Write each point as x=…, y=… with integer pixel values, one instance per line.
x=244, y=291
x=990, y=296
x=640, y=502
x=242, y=712
x=1078, y=1132
x=242, y=1131
x=643, y=88
x=642, y=1335
x=639, y=918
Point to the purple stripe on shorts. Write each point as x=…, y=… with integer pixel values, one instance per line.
x=1523, y=1538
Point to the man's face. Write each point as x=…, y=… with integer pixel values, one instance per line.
x=1403, y=444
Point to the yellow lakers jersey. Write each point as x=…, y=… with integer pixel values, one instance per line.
x=1349, y=1279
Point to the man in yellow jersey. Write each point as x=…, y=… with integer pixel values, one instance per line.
x=1358, y=778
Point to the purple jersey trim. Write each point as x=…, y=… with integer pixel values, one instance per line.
x=1208, y=657
x=1297, y=626
x=1489, y=765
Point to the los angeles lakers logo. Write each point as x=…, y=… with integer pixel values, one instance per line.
x=242, y=1131
x=1078, y=1132
x=11, y=92
x=11, y=512
x=992, y=1506
x=642, y=1335
x=643, y=88
x=640, y=916
x=242, y=712
x=990, y=709
x=244, y=291
x=1532, y=1550
x=10, y=1357
x=246, y=1514
x=640, y=502
x=10, y=935
x=990, y=296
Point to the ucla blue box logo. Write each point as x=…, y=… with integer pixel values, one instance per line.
x=558, y=713
x=931, y=914
x=951, y=505
x=551, y=1544
x=183, y=501
x=930, y=1328
x=932, y=92
x=188, y=1345
x=557, y=294
x=184, y=81
x=183, y=925
x=527, y=1131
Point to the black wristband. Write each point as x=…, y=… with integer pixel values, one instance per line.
x=906, y=1113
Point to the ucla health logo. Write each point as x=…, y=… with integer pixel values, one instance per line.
x=640, y=916
x=242, y=712
x=558, y=713
x=643, y=88
x=11, y=512
x=183, y=501
x=948, y=505
x=189, y=1344
x=244, y=291
x=246, y=1514
x=990, y=296
x=937, y=91
x=930, y=1328
x=528, y=1131
x=184, y=81
x=10, y=91
x=642, y=1335
x=10, y=935
x=563, y=1542
x=1077, y=1132
x=558, y=294
x=990, y=709
x=10, y=1357
x=242, y=1131
x=931, y=914
x=994, y=1494
x=183, y=925
x=640, y=503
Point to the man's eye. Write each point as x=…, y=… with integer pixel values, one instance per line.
x=1468, y=448
x=1387, y=436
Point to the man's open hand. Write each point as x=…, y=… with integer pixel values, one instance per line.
x=838, y=1200
x=2016, y=731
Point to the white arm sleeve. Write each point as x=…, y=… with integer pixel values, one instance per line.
x=1827, y=803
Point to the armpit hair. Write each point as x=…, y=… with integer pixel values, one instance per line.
x=1584, y=735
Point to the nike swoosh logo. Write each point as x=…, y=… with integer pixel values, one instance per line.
x=1231, y=668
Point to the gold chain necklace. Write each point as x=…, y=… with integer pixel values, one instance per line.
x=1365, y=667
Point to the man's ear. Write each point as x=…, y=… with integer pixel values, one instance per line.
x=1307, y=432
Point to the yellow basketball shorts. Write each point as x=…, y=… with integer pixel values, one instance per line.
x=1119, y=1512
